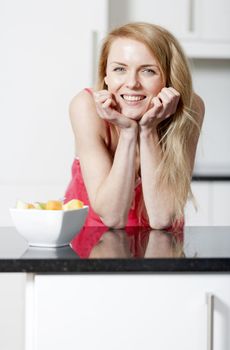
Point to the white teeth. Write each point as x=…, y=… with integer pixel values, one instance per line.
x=133, y=98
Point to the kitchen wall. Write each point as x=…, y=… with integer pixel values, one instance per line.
x=47, y=57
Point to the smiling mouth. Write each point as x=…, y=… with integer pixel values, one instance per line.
x=133, y=98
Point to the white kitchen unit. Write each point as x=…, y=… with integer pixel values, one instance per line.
x=131, y=312
x=163, y=293
x=48, y=54
x=213, y=208
x=12, y=307
x=203, y=26
x=221, y=206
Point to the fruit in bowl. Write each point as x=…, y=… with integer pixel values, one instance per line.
x=51, y=223
x=51, y=205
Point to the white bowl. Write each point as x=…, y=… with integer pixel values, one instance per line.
x=48, y=228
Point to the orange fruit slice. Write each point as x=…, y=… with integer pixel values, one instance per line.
x=54, y=205
x=73, y=204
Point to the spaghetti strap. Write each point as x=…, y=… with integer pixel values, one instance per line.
x=89, y=91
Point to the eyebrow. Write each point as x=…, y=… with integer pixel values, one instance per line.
x=142, y=66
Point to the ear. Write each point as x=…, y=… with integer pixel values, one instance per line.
x=106, y=80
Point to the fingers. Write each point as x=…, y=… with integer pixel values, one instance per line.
x=156, y=110
x=153, y=113
x=157, y=105
x=169, y=98
x=104, y=98
x=108, y=103
x=104, y=104
x=162, y=106
x=108, y=109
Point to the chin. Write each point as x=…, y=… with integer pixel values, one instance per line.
x=132, y=113
x=134, y=117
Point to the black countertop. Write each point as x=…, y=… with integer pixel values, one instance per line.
x=197, y=249
x=211, y=177
x=211, y=172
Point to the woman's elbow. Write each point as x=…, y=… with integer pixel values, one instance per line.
x=160, y=224
x=113, y=222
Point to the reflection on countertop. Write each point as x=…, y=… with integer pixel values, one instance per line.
x=133, y=249
x=132, y=242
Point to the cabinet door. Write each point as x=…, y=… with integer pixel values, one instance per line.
x=214, y=20
x=157, y=12
x=129, y=311
x=221, y=206
x=201, y=19
x=202, y=26
x=203, y=196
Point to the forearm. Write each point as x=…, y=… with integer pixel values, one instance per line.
x=114, y=196
x=158, y=201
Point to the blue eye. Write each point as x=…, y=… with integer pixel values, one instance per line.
x=119, y=69
x=149, y=71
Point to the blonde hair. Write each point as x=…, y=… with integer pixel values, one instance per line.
x=175, y=132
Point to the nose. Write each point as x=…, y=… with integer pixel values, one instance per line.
x=132, y=80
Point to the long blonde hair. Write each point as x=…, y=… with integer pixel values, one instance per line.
x=175, y=132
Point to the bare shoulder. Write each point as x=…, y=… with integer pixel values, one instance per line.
x=83, y=113
x=83, y=99
x=199, y=107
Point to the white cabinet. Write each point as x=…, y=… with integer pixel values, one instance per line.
x=214, y=24
x=221, y=206
x=160, y=12
x=12, y=290
x=202, y=26
x=213, y=208
x=130, y=311
x=210, y=28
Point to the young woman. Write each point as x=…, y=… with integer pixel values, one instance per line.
x=136, y=134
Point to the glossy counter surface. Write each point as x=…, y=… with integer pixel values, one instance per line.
x=197, y=249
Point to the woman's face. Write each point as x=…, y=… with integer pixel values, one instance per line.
x=133, y=76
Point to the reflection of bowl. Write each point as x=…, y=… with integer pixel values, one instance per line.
x=48, y=228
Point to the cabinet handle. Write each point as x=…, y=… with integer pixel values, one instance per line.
x=191, y=16
x=210, y=309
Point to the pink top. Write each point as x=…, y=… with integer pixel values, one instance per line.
x=77, y=189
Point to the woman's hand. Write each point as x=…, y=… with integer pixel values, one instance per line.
x=108, y=109
x=162, y=106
